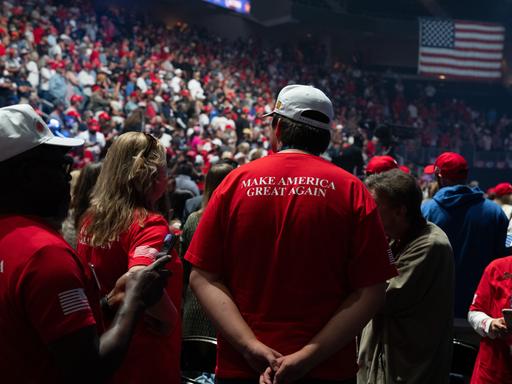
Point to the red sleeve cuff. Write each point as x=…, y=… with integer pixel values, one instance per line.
x=140, y=261
x=201, y=263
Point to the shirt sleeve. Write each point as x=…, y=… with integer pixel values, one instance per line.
x=146, y=241
x=371, y=258
x=206, y=249
x=481, y=322
x=426, y=263
x=52, y=290
x=484, y=293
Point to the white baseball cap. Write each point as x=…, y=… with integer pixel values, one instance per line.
x=217, y=142
x=21, y=129
x=293, y=100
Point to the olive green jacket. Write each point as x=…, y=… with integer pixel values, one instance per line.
x=410, y=339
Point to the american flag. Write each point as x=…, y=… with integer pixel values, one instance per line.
x=461, y=49
x=73, y=300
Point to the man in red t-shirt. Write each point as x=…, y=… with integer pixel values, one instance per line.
x=290, y=257
x=49, y=305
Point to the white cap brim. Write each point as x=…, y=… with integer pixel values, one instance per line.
x=64, y=142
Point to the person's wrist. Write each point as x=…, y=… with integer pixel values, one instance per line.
x=486, y=325
x=135, y=301
x=248, y=346
x=106, y=307
x=310, y=355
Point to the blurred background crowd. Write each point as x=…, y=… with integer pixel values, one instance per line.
x=95, y=74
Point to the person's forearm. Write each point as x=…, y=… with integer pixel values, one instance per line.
x=218, y=304
x=480, y=322
x=114, y=343
x=351, y=317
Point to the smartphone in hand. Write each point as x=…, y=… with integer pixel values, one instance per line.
x=507, y=314
x=169, y=243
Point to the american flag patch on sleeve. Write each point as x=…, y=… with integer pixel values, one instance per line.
x=145, y=251
x=73, y=300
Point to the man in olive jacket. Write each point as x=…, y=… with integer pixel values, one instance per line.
x=410, y=339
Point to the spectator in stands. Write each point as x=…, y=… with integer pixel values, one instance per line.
x=410, y=338
x=184, y=181
x=94, y=139
x=195, y=321
x=80, y=201
x=379, y=164
x=58, y=84
x=503, y=197
x=288, y=207
x=50, y=319
x=349, y=156
x=493, y=294
x=122, y=232
x=476, y=227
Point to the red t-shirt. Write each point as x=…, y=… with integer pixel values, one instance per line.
x=44, y=296
x=494, y=292
x=38, y=33
x=292, y=236
x=151, y=357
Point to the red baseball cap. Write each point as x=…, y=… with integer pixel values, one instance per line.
x=73, y=113
x=429, y=169
x=405, y=169
x=379, y=164
x=451, y=165
x=104, y=115
x=76, y=98
x=503, y=189
x=95, y=127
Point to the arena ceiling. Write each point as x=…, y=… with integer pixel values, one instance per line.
x=265, y=10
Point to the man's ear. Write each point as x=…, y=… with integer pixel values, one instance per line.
x=278, y=129
x=439, y=178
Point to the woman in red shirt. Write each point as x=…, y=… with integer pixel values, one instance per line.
x=122, y=232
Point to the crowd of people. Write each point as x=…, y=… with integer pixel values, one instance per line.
x=93, y=74
x=289, y=260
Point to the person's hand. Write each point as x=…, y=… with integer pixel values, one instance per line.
x=116, y=295
x=259, y=356
x=267, y=376
x=498, y=328
x=290, y=368
x=146, y=285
